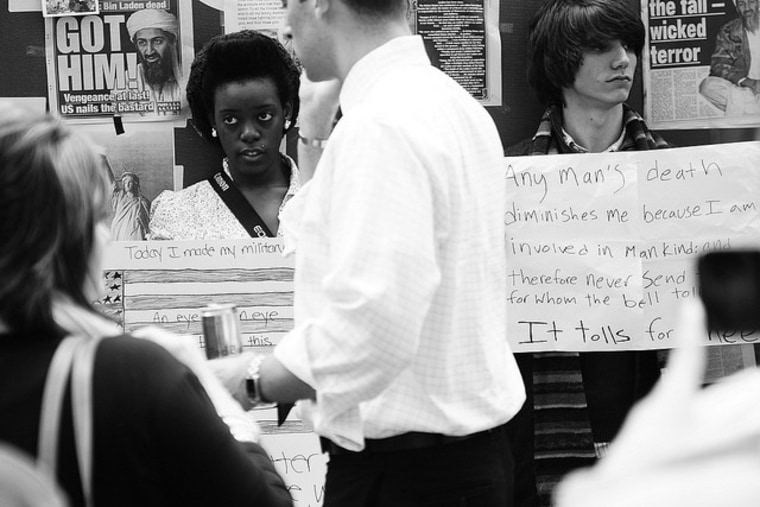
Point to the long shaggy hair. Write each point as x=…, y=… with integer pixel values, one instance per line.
x=561, y=30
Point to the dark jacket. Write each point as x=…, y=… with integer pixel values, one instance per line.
x=731, y=58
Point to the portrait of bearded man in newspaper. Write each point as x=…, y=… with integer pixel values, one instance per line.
x=733, y=85
x=154, y=32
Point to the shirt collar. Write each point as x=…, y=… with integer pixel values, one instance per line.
x=293, y=185
x=570, y=142
x=375, y=65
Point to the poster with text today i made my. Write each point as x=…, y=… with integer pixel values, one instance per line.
x=168, y=283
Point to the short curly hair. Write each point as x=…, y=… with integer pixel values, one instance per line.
x=561, y=30
x=240, y=56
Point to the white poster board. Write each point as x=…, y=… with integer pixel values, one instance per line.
x=602, y=247
x=167, y=283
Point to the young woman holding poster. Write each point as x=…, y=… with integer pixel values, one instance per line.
x=162, y=432
x=582, y=58
x=243, y=95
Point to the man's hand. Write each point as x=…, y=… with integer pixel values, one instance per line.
x=231, y=372
x=277, y=383
x=185, y=349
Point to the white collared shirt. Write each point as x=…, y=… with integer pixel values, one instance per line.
x=400, y=281
x=582, y=149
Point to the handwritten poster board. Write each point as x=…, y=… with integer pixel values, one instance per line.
x=299, y=460
x=602, y=247
x=600, y=251
x=167, y=283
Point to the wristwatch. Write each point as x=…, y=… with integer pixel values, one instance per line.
x=253, y=381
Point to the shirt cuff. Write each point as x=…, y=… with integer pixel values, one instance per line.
x=293, y=354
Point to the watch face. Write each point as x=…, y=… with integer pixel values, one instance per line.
x=252, y=381
x=251, y=390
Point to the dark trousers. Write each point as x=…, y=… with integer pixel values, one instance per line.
x=475, y=472
x=521, y=432
x=614, y=382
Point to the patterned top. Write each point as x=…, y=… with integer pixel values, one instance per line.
x=197, y=212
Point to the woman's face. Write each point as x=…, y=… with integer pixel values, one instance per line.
x=604, y=77
x=249, y=121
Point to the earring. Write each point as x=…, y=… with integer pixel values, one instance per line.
x=287, y=124
x=213, y=131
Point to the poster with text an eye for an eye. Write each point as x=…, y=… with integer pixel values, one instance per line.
x=130, y=60
x=168, y=283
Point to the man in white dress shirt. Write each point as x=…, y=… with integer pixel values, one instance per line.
x=399, y=345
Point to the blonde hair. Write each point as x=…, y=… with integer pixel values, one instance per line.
x=53, y=191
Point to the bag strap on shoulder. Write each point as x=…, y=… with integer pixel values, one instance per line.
x=52, y=402
x=75, y=354
x=239, y=206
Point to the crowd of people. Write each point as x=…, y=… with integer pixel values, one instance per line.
x=398, y=355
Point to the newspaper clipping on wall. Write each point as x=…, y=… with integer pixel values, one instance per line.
x=461, y=37
x=701, y=64
x=131, y=59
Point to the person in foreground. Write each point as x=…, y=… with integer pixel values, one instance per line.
x=160, y=436
x=399, y=342
x=243, y=94
x=682, y=445
x=582, y=58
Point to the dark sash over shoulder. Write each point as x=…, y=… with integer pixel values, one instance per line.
x=239, y=206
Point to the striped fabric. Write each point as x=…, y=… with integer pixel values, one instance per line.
x=563, y=439
x=637, y=136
